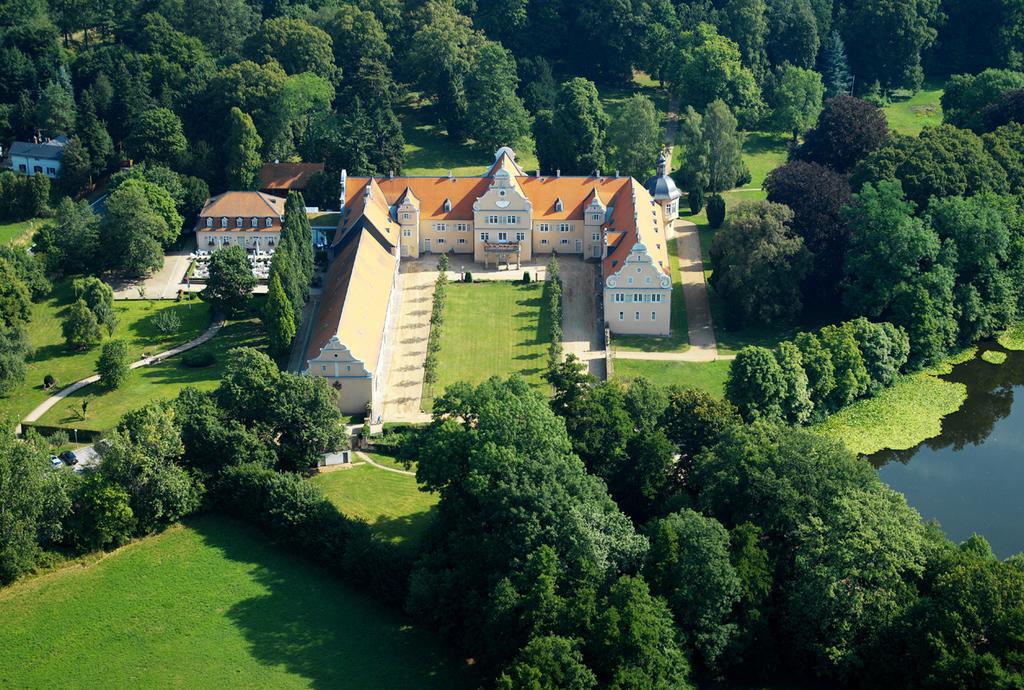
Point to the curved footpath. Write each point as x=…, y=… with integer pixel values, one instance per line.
x=45, y=406
x=368, y=460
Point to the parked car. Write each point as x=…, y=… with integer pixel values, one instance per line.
x=69, y=457
x=55, y=461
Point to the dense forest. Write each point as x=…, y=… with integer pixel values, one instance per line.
x=623, y=536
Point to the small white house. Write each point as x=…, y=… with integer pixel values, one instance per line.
x=29, y=158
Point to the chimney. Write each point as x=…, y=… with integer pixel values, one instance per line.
x=597, y=173
x=451, y=175
x=616, y=174
x=391, y=174
x=558, y=172
x=342, y=182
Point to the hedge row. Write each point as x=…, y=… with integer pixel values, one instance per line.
x=295, y=513
x=553, y=305
x=436, y=320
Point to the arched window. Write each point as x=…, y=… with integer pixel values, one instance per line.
x=238, y=222
x=209, y=222
x=254, y=221
x=270, y=222
x=223, y=221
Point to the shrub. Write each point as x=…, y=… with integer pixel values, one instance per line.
x=696, y=201
x=468, y=278
x=198, y=359
x=166, y=322
x=49, y=381
x=526, y=277
x=442, y=263
x=113, y=364
x=716, y=211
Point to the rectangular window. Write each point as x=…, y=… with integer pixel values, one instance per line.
x=619, y=297
x=622, y=316
x=594, y=237
x=656, y=297
x=596, y=217
x=440, y=240
x=544, y=227
x=564, y=227
x=37, y=168
x=654, y=316
x=493, y=220
x=407, y=233
x=485, y=237
x=512, y=220
x=406, y=216
x=544, y=241
x=520, y=236
x=502, y=236
x=462, y=240
x=565, y=241
x=51, y=171
x=462, y=227
x=323, y=367
x=22, y=167
x=440, y=227
x=638, y=297
x=636, y=316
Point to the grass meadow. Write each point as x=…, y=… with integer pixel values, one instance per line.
x=53, y=356
x=492, y=328
x=161, y=381
x=209, y=604
x=19, y=232
x=909, y=113
x=391, y=503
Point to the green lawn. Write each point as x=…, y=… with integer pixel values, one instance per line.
x=910, y=113
x=52, y=356
x=708, y=376
x=20, y=232
x=391, y=461
x=391, y=503
x=763, y=152
x=161, y=381
x=679, y=341
x=493, y=328
x=209, y=605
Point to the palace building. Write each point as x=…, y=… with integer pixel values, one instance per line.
x=505, y=216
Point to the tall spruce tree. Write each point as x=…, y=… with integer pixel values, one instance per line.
x=835, y=69
x=296, y=225
x=242, y=151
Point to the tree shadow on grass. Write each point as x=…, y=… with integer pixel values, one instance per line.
x=315, y=626
x=408, y=529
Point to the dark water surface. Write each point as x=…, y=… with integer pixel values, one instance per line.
x=971, y=477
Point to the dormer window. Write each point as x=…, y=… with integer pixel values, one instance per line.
x=223, y=222
x=238, y=222
x=254, y=221
x=209, y=222
x=558, y=205
x=269, y=222
x=447, y=205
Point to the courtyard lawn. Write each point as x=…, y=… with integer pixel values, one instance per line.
x=909, y=113
x=391, y=503
x=52, y=355
x=707, y=376
x=763, y=152
x=492, y=328
x=209, y=604
x=20, y=232
x=161, y=381
x=679, y=341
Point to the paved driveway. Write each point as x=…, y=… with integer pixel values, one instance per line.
x=580, y=335
x=403, y=392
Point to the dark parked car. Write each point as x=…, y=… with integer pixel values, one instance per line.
x=69, y=457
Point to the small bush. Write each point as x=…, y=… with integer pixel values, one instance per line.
x=49, y=381
x=696, y=201
x=716, y=211
x=166, y=322
x=197, y=359
x=468, y=278
x=526, y=277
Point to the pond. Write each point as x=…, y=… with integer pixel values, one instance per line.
x=971, y=477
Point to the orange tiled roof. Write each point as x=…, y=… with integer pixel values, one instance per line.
x=244, y=204
x=288, y=175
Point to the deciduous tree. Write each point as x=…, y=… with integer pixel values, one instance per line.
x=231, y=282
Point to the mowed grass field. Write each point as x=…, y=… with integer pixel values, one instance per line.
x=209, y=604
x=19, y=232
x=909, y=113
x=707, y=376
x=161, y=381
x=53, y=356
x=492, y=328
x=391, y=503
